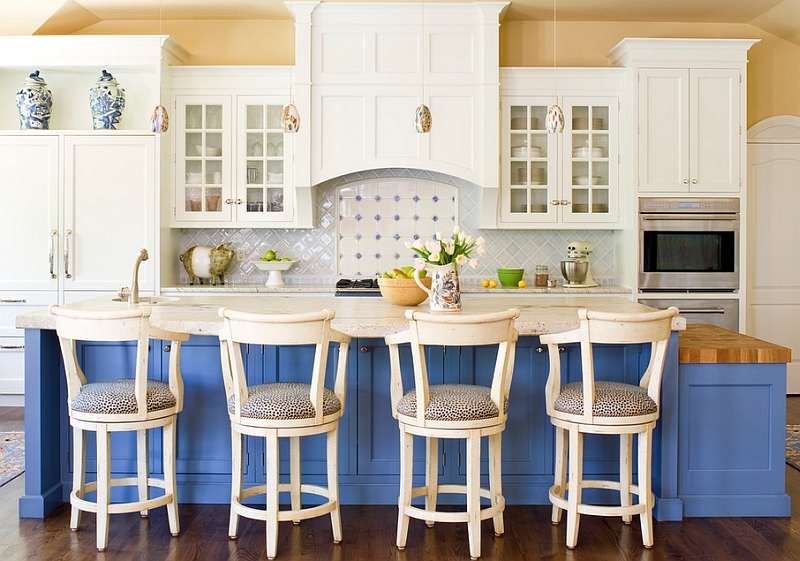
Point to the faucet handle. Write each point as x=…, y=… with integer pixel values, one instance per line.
x=124, y=293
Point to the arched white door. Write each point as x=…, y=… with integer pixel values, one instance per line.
x=773, y=234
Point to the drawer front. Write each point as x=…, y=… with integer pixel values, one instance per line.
x=12, y=365
x=13, y=303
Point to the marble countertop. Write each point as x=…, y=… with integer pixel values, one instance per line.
x=356, y=316
x=327, y=288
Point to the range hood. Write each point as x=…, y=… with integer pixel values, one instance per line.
x=362, y=68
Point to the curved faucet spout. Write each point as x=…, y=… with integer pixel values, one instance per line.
x=134, y=297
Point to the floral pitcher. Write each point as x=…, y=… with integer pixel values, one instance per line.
x=445, y=292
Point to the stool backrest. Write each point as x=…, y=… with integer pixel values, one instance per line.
x=427, y=329
x=312, y=328
x=651, y=328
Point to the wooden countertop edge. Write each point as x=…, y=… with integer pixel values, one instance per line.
x=710, y=344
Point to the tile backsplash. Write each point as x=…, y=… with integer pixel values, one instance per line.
x=365, y=218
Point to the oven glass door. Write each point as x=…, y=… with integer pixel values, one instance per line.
x=689, y=253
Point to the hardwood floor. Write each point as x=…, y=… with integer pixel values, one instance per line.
x=369, y=533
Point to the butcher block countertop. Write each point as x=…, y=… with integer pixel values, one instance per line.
x=709, y=344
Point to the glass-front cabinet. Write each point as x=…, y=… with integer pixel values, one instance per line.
x=231, y=161
x=560, y=178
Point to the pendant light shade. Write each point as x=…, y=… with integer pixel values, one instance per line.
x=554, y=122
x=422, y=119
x=290, y=119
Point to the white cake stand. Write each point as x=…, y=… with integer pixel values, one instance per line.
x=275, y=268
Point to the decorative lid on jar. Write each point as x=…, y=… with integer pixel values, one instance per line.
x=34, y=102
x=106, y=101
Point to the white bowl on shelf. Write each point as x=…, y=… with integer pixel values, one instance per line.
x=584, y=180
x=213, y=151
x=586, y=152
x=274, y=268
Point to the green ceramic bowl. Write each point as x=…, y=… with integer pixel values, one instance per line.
x=510, y=277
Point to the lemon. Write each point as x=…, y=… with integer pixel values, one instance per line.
x=485, y=283
x=492, y=283
x=522, y=283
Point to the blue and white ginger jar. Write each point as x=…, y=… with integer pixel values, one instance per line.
x=34, y=102
x=107, y=102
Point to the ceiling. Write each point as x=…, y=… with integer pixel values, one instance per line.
x=780, y=17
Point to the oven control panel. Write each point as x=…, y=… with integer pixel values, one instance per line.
x=651, y=205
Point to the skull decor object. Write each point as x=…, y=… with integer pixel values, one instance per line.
x=207, y=262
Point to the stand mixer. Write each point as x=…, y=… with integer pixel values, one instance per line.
x=576, y=268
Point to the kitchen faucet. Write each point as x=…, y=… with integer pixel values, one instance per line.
x=132, y=293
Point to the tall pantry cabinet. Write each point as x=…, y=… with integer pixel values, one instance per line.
x=79, y=204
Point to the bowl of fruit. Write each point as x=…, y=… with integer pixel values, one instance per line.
x=399, y=287
x=274, y=265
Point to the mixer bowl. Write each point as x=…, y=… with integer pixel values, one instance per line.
x=574, y=271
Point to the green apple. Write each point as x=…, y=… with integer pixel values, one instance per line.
x=422, y=273
x=286, y=259
x=269, y=255
x=386, y=275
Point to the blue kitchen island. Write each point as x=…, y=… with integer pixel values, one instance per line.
x=693, y=439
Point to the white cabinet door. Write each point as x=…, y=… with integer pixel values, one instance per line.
x=689, y=130
x=30, y=258
x=109, y=210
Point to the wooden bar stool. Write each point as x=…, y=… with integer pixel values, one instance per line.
x=452, y=411
x=283, y=410
x=116, y=405
x=602, y=407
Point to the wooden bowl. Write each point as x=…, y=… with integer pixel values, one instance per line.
x=404, y=292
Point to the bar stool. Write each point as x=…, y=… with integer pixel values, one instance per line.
x=452, y=411
x=117, y=405
x=283, y=410
x=601, y=407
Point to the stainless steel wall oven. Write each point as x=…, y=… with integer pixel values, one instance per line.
x=688, y=244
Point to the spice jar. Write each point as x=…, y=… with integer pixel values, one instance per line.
x=540, y=275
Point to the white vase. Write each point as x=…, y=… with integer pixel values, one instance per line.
x=35, y=103
x=107, y=102
x=444, y=295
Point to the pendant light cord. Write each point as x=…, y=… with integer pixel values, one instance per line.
x=555, y=47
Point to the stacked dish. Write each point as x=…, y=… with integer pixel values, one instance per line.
x=584, y=180
x=582, y=123
x=586, y=152
x=537, y=176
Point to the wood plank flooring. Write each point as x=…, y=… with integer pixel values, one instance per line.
x=369, y=534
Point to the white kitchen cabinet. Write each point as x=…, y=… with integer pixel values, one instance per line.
x=233, y=162
x=79, y=209
x=689, y=130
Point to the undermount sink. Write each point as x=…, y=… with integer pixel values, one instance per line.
x=149, y=299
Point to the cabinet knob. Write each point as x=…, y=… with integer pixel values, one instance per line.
x=540, y=350
x=364, y=349
x=167, y=348
x=694, y=182
x=555, y=202
x=564, y=202
x=685, y=181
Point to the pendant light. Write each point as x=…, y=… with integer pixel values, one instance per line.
x=554, y=122
x=291, y=116
x=422, y=115
x=159, y=120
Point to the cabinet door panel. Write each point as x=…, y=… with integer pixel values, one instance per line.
x=29, y=197
x=109, y=210
x=663, y=136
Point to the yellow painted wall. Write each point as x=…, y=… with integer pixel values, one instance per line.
x=773, y=71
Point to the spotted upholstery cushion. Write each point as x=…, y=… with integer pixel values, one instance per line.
x=611, y=399
x=116, y=397
x=453, y=402
x=284, y=401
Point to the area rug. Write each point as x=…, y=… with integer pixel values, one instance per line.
x=12, y=455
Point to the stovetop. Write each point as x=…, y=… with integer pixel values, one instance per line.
x=357, y=287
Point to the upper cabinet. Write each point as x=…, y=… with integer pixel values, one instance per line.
x=560, y=180
x=234, y=165
x=690, y=113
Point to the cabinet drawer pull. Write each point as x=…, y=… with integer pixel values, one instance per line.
x=67, y=274
x=13, y=301
x=51, y=257
x=9, y=347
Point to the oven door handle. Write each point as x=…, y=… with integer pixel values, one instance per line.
x=676, y=217
x=702, y=310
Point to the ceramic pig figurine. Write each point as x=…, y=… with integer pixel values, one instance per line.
x=207, y=262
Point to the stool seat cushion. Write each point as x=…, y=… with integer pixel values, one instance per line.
x=284, y=401
x=611, y=399
x=116, y=397
x=453, y=402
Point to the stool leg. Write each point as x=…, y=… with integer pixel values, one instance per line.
x=142, y=467
x=103, y=485
x=294, y=474
x=495, y=478
x=333, y=482
x=168, y=443
x=575, y=486
x=625, y=473
x=273, y=472
x=236, y=481
x=78, y=474
x=474, y=494
x=560, y=481
x=431, y=475
x=406, y=471
x=645, y=485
